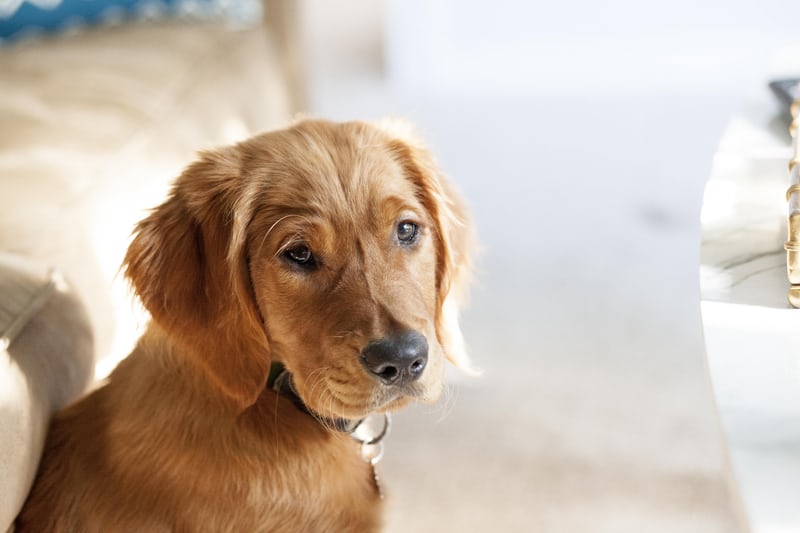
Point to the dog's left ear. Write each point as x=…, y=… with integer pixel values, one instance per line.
x=188, y=264
x=454, y=238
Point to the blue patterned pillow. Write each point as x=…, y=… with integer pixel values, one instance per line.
x=25, y=18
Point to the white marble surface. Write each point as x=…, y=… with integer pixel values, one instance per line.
x=752, y=334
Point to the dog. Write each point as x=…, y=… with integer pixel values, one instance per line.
x=338, y=250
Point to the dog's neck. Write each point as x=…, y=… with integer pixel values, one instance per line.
x=280, y=381
x=362, y=431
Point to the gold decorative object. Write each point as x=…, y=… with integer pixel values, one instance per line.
x=792, y=244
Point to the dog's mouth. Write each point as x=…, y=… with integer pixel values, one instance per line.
x=327, y=396
x=382, y=376
x=331, y=399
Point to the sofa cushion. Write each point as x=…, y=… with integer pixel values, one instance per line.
x=46, y=360
x=95, y=127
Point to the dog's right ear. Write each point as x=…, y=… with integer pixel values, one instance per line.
x=188, y=265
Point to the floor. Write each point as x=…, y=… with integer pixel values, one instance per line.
x=594, y=411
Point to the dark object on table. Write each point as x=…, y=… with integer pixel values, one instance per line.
x=787, y=91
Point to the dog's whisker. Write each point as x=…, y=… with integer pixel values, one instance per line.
x=343, y=335
x=312, y=381
x=315, y=385
x=321, y=417
x=316, y=382
x=330, y=410
x=293, y=240
x=277, y=426
x=448, y=404
x=272, y=227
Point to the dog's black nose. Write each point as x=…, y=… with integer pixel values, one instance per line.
x=397, y=359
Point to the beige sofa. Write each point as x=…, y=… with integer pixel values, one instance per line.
x=93, y=127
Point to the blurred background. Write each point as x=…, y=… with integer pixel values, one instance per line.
x=581, y=134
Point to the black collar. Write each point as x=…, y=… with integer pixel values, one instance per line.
x=280, y=380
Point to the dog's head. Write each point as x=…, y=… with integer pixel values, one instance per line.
x=338, y=249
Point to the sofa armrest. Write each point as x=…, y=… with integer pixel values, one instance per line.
x=46, y=360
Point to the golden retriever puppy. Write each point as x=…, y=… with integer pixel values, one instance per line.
x=336, y=249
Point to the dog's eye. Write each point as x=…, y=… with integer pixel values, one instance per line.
x=300, y=255
x=407, y=232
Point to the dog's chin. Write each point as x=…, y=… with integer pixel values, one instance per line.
x=382, y=399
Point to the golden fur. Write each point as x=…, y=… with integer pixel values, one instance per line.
x=184, y=436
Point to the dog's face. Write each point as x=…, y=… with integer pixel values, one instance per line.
x=335, y=248
x=347, y=263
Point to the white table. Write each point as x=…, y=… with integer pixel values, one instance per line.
x=752, y=334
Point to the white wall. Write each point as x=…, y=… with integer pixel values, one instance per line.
x=578, y=45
